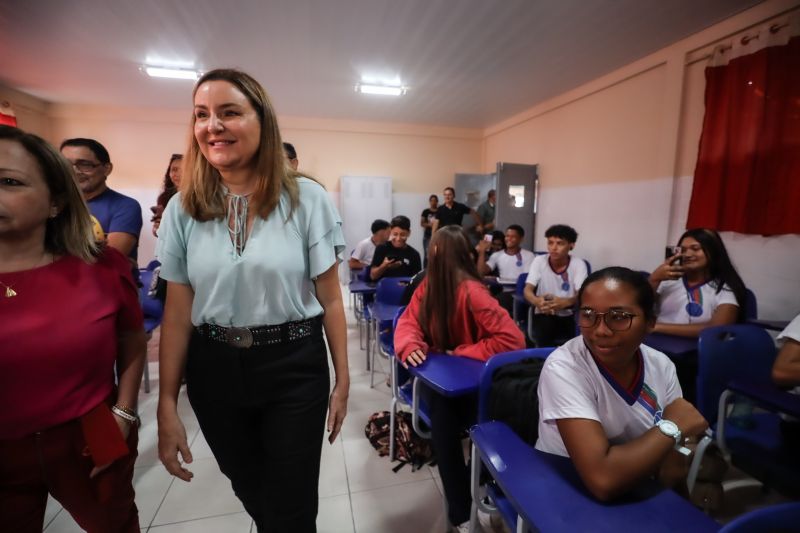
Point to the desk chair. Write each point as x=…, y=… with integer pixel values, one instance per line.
x=153, y=311
x=521, y=305
x=784, y=517
x=389, y=291
x=500, y=502
x=736, y=361
x=404, y=391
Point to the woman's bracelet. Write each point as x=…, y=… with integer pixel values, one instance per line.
x=126, y=413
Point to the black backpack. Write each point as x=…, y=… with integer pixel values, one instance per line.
x=513, y=397
x=410, y=448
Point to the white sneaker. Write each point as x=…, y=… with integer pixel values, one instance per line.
x=463, y=527
x=490, y=522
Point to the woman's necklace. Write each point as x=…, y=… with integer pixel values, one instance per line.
x=10, y=292
x=9, y=289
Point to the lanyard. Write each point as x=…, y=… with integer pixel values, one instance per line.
x=564, y=274
x=695, y=295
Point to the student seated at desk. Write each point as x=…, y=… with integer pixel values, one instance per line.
x=365, y=250
x=552, y=286
x=609, y=402
x=452, y=311
x=698, y=287
x=786, y=373
x=509, y=262
x=396, y=259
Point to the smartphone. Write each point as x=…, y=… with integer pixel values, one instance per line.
x=672, y=250
x=488, y=237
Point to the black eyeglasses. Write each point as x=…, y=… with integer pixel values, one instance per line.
x=616, y=319
x=85, y=166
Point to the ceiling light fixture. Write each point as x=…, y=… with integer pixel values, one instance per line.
x=384, y=90
x=172, y=73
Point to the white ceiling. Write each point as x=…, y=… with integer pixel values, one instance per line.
x=469, y=63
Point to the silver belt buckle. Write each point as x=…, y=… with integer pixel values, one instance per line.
x=240, y=337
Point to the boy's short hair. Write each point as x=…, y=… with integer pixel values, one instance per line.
x=402, y=222
x=291, y=153
x=562, y=231
x=379, y=225
x=517, y=228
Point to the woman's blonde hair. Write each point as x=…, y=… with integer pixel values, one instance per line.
x=70, y=231
x=202, y=194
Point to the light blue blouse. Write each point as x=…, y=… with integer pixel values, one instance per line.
x=271, y=282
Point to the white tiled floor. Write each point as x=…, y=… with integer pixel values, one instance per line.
x=358, y=491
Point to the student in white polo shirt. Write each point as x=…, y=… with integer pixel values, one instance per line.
x=607, y=401
x=512, y=261
x=786, y=374
x=698, y=287
x=552, y=287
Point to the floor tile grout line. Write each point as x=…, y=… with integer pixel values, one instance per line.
x=198, y=519
x=393, y=485
x=349, y=492
x=54, y=516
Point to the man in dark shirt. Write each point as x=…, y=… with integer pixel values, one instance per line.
x=426, y=221
x=452, y=212
x=486, y=213
x=396, y=258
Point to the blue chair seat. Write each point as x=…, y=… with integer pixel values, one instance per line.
x=783, y=517
x=150, y=324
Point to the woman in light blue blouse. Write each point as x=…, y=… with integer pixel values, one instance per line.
x=250, y=250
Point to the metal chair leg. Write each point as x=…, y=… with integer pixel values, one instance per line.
x=146, y=376
x=392, y=417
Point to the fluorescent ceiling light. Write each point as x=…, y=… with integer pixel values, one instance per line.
x=172, y=73
x=387, y=90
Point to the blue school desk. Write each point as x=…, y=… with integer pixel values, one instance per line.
x=449, y=375
x=547, y=493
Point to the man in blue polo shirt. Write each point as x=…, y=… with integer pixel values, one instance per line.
x=120, y=216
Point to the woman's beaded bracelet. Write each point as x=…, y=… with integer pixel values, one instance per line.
x=127, y=413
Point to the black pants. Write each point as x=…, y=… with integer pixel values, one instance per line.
x=552, y=330
x=262, y=411
x=449, y=418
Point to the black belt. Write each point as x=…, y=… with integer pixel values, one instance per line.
x=261, y=335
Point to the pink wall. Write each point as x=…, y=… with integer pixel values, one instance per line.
x=616, y=158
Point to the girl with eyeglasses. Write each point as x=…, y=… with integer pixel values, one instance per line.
x=452, y=312
x=607, y=401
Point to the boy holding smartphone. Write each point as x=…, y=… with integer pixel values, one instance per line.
x=396, y=258
x=552, y=287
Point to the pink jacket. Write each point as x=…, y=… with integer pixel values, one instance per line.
x=481, y=327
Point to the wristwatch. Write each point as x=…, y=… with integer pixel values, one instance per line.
x=671, y=430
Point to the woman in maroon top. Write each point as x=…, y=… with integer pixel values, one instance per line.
x=69, y=313
x=452, y=312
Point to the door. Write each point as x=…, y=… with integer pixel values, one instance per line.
x=517, y=198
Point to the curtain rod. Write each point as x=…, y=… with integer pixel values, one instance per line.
x=745, y=39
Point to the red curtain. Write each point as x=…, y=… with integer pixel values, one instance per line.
x=747, y=177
